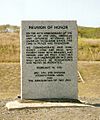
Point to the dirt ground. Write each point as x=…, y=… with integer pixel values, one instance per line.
x=63, y=113
x=88, y=92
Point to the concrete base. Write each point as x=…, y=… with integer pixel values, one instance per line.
x=18, y=105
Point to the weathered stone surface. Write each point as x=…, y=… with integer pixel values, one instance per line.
x=49, y=59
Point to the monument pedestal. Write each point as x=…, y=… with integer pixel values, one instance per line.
x=42, y=104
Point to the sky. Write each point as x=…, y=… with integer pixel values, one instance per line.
x=86, y=12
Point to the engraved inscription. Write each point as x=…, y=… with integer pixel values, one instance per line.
x=48, y=47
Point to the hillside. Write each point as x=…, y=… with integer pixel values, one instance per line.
x=4, y=28
x=89, y=32
x=84, y=32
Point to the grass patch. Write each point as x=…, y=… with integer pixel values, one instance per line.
x=88, y=49
x=9, y=47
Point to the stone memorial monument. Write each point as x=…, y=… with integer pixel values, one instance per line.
x=49, y=59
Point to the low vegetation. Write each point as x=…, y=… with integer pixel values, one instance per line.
x=9, y=47
x=88, y=49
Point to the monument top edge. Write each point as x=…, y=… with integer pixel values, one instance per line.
x=49, y=21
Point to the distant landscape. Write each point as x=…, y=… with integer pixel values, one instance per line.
x=88, y=43
x=89, y=32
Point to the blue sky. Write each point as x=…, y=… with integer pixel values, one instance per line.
x=86, y=12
